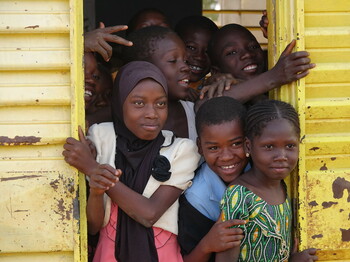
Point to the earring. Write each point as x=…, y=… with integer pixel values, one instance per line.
x=247, y=154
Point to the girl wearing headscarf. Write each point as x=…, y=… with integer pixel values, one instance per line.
x=139, y=219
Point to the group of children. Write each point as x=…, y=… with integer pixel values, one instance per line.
x=173, y=177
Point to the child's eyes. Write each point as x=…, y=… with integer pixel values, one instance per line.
x=237, y=144
x=192, y=48
x=233, y=52
x=269, y=147
x=139, y=103
x=96, y=77
x=161, y=104
x=212, y=148
x=291, y=146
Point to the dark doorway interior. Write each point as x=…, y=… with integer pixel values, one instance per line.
x=119, y=12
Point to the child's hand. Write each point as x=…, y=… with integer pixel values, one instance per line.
x=79, y=153
x=291, y=66
x=97, y=40
x=222, y=237
x=216, y=84
x=308, y=255
x=103, y=178
x=264, y=22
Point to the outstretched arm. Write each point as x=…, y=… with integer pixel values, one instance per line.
x=97, y=40
x=290, y=67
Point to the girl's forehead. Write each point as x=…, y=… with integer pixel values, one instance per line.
x=278, y=128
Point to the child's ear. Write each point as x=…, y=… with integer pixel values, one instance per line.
x=200, y=151
x=214, y=70
x=247, y=145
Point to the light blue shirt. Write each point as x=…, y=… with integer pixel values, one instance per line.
x=206, y=192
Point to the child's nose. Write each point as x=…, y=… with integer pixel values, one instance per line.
x=151, y=112
x=281, y=155
x=184, y=67
x=246, y=53
x=226, y=154
x=200, y=55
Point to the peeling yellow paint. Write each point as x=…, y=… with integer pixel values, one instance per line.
x=42, y=211
x=322, y=183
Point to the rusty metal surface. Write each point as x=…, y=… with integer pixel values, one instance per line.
x=41, y=104
x=321, y=187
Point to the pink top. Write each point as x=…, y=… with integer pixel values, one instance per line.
x=165, y=241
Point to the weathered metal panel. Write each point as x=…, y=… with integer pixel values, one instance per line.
x=321, y=186
x=244, y=12
x=42, y=211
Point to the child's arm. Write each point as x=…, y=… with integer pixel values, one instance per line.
x=290, y=67
x=230, y=255
x=144, y=210
x=97, y=40
x=99, y=183
x=221, y=237
x=151, y=205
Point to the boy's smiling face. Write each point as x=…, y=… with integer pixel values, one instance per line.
x=222, y=148
x=238, y=52
x=169, y=57
x=196, y=41
x=92, y=78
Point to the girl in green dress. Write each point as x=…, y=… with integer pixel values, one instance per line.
x=259, y=196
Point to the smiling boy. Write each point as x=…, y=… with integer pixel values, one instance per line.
x=220, y=125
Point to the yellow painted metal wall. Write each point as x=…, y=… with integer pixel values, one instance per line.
x=244, y=12
x=321, y=187
x=41, y=104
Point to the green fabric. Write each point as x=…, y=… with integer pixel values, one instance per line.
x=267, y=233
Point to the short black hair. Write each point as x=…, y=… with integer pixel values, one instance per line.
x=219, y=110
x=144, y=43
x=218, y=35
x=261, y=113
x=195, y=22
x=135, y=19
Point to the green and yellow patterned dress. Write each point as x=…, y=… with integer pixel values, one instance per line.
x=267, y=233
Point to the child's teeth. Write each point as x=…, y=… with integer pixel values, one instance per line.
x=195, y=68
x=228, y=167
x=87, y=93
x=250, y=67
